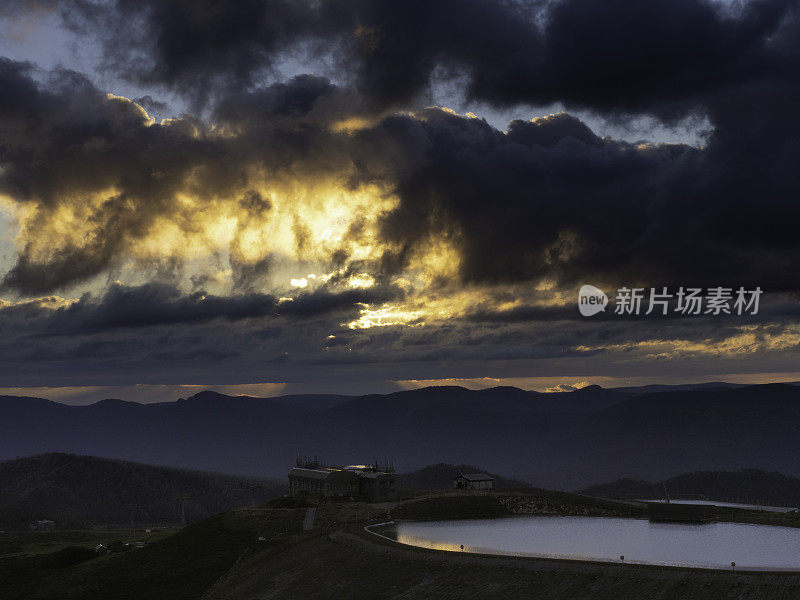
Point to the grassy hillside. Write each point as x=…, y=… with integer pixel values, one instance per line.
x=182, y=566
x=252, y=554
x=80, y=491
x=749, y=486
x=319, y=569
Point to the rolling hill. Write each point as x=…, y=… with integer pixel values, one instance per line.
x=79, y=491
x=749, y=486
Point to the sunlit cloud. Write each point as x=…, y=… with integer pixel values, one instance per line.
x=750, y=340
x=386, y=316
x=567, y=387
x=371, y=216
x=361, y=280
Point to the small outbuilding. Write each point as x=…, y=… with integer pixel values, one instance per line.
x=473, y=481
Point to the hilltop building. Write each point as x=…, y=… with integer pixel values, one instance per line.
x=43, y=525
x=473, y=481
x=375, y=483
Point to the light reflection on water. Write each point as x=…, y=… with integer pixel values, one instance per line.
x=711, y=545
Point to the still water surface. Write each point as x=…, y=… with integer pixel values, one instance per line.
x=712, y=545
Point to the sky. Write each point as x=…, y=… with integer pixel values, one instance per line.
x=353, y=196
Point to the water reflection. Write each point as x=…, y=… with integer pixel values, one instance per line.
x=712, y=545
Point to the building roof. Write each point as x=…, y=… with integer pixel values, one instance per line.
x=477, y=477
x=309, y=473
x=343, y=476
x=332, y=475
x=338, y=475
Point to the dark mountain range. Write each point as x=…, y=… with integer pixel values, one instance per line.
x=312, y=401
x=649, y=389
x=750, y=486
x=567, y=440
x=78, y=491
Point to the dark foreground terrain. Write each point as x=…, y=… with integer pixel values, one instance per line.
x=261, y=553
x=78, y=492
x=320, y=568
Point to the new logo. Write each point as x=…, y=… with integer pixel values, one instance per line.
x=591, y=300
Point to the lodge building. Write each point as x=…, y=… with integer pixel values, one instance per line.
x=473, y=481
x=374, y=483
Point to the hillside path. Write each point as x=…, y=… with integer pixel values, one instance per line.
x=308, y=522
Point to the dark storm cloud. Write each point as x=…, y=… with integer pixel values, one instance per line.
x=155, y=331
x=62, y=141
x=302, y=99
x=196, y=47
x=151, y=105
x=65, y=136
x=550, y=199
x=660, y=56
x=774, y=308
x=546, y=200
x=154, y=304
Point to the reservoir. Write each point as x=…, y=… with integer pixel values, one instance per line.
x=710, y=545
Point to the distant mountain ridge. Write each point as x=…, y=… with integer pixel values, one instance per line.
x=682, y=387
x=76, y=491
x=565, y=440
x=749, y=486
